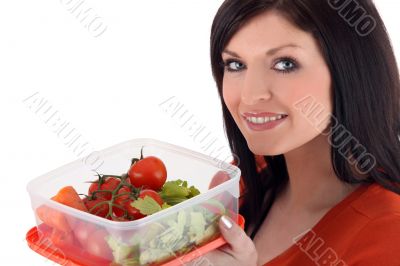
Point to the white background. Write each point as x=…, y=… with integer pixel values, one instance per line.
x=108, y=88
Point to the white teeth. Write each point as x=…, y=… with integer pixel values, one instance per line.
x=262, y=120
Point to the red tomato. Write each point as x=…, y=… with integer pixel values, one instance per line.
x=110, y=183
x=123, y=195
x=133, y=212
x=119, y=211
x=125, y=201
x=100, y=210
x=121, y=199
x=149, y=172
x=153, y=194
x=97, y=244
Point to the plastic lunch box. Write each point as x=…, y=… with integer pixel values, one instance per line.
x=170, y=237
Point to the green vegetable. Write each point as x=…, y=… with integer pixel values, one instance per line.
x=147, y=205
x=196, y=227
x=165, y=205
x=120, y=251
x=174, y=192
x=179, y=232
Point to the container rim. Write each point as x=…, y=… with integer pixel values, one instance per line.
x=234, y=177
x=233, y=174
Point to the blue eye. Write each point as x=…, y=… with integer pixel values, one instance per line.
x=285, y=65
x=233, y=66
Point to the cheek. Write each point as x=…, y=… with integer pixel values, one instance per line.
x=231, y=95
x=311, y=100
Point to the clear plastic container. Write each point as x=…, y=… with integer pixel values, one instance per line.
x=152, y=240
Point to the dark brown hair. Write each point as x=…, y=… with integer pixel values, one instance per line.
x=365, y=79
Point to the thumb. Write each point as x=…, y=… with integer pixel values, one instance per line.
x=218, y=178
x=234, y=235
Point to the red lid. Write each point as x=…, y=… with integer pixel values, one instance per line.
x=42, y=245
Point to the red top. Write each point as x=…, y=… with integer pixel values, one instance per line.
x=363, y=229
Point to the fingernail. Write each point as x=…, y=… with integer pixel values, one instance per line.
x=228, y=224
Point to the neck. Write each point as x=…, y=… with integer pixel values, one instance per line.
x=313, y=185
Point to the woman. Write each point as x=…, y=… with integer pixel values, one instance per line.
x=312, y=87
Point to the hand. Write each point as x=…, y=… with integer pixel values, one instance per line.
x=239, y=250
x=218, y=178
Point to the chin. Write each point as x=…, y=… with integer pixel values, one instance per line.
x=265, y=150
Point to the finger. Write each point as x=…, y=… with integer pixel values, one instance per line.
x=234, y=235
x=219, y=178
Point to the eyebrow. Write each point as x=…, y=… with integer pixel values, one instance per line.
x=269, y=52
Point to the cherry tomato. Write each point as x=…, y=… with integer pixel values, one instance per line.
x=151, y=193
x=124, y=200
x=121, y=199
x=110, y=183
x=149, y=172
x=100, y=210
x=134, y=213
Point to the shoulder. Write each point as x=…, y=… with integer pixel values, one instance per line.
x=377, y=202
x=376, y=242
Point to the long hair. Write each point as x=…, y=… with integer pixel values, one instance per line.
x=366, y=93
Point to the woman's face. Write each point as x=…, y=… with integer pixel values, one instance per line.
x=270, y=68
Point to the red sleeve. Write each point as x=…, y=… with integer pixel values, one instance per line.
x=378, y=243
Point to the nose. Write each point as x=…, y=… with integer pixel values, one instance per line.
x=255, y=86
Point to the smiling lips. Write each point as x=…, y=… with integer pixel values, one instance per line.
x=263, y=121
x=261, y=118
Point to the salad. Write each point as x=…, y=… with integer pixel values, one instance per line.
x=173, y=236
x=140, y=192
